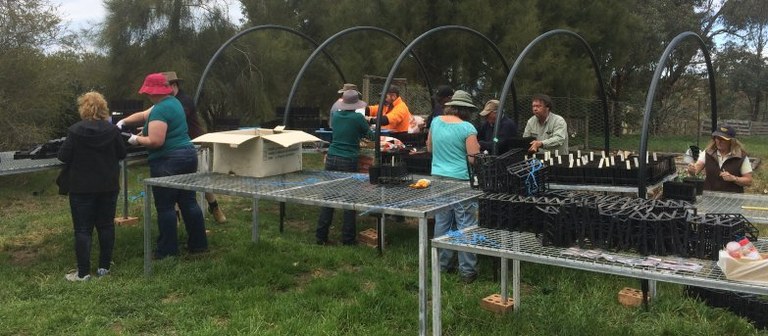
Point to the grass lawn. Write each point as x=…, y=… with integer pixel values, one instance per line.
x=287, y=285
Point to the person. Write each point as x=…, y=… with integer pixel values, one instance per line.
x=507, y=129
x=549, y=129
x=344, y=88
x=92, y=150
x=452, y=139
x=343, y=153
x=396, y=116
x=171, y=152
x=194, y=129
x=724, y=161
x=442, y=96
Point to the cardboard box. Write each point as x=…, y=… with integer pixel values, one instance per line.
x=256, y=152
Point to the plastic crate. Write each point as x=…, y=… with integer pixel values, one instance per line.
x=489, y=172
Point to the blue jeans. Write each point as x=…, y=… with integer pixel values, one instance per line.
x=348, y=229
x=460, y=216
x=180, y=161
x=89, y=211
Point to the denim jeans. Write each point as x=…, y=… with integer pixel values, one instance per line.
x=89, y=211
x=180, y=161
x=348, y=229
x=461, y=215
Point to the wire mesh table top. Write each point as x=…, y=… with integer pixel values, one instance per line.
x=756, y=210
x=9, y=166
x=358, y=194
x=245, y=186
x=333, y=189
x=527, y=247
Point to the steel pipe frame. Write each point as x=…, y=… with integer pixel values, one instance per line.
x=527, y=50
x=641, y=182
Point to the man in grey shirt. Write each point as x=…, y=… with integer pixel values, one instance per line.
x=549, y=129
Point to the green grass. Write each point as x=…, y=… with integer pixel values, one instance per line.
x=287, y=285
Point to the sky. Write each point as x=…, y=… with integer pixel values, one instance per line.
x=86, y=13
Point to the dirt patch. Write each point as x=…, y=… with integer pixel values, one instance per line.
x=23, y=257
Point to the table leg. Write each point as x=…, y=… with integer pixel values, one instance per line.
x=423, y=247
x=504, y=271
x=147, y=230
x=124, y=169
x=515, y=272
x=436, y=295
x=255, y=220
x=380, y=233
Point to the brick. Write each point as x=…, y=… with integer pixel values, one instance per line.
x=631, y=297
x=369, y=237
x=126, y=221
x=494, y=304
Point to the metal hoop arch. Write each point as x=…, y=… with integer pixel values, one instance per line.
x=641, y=182
x=405, y=52
x=321, y=48
x=525, y=53
x=241, y=34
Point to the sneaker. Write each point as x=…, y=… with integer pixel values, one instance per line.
x=218, y=215
x=469, y=278
x=72, y=276
x=102, y=272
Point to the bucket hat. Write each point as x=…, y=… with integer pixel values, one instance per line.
x=461, y=98
x=155, y=84
x=347, y=87
x=171, y=76
x=350, y=100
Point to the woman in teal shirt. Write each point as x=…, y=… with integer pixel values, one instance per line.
x=452, y=140
x=170, y=153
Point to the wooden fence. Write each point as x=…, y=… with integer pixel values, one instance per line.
x=743, y=127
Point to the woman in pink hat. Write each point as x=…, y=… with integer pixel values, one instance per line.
x=170, y=153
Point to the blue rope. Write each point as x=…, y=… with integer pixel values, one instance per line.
x=531, y=185
x=136, y=197
x=476, y=239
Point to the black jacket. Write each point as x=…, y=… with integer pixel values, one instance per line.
x=507, y=131
x=93, y=150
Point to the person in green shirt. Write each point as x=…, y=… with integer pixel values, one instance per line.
x=348, y=128
x=549, y=129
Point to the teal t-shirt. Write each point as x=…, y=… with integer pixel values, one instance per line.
x=449, y=148
x=169, y=111
x=348, y=128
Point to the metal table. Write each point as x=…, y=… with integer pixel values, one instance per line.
x=523, y=246
x=9, y=166
x=350, y=191
x=722, y=202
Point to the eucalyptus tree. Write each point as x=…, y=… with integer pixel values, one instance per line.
x=746, y=22
x=145, y=36
x=27, y=29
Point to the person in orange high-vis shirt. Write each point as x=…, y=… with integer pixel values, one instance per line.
x=396, y=116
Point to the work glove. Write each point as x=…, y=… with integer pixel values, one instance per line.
x=134, y=140
x=120, y=124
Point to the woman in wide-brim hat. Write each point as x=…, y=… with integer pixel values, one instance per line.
x=171, y=152
x=452, y=139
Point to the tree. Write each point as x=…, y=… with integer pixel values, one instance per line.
x=27, y=28
x=747, y=22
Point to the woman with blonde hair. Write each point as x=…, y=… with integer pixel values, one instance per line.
x=725, y=162
x=92, y=151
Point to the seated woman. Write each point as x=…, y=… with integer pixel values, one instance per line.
x=725, y=162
